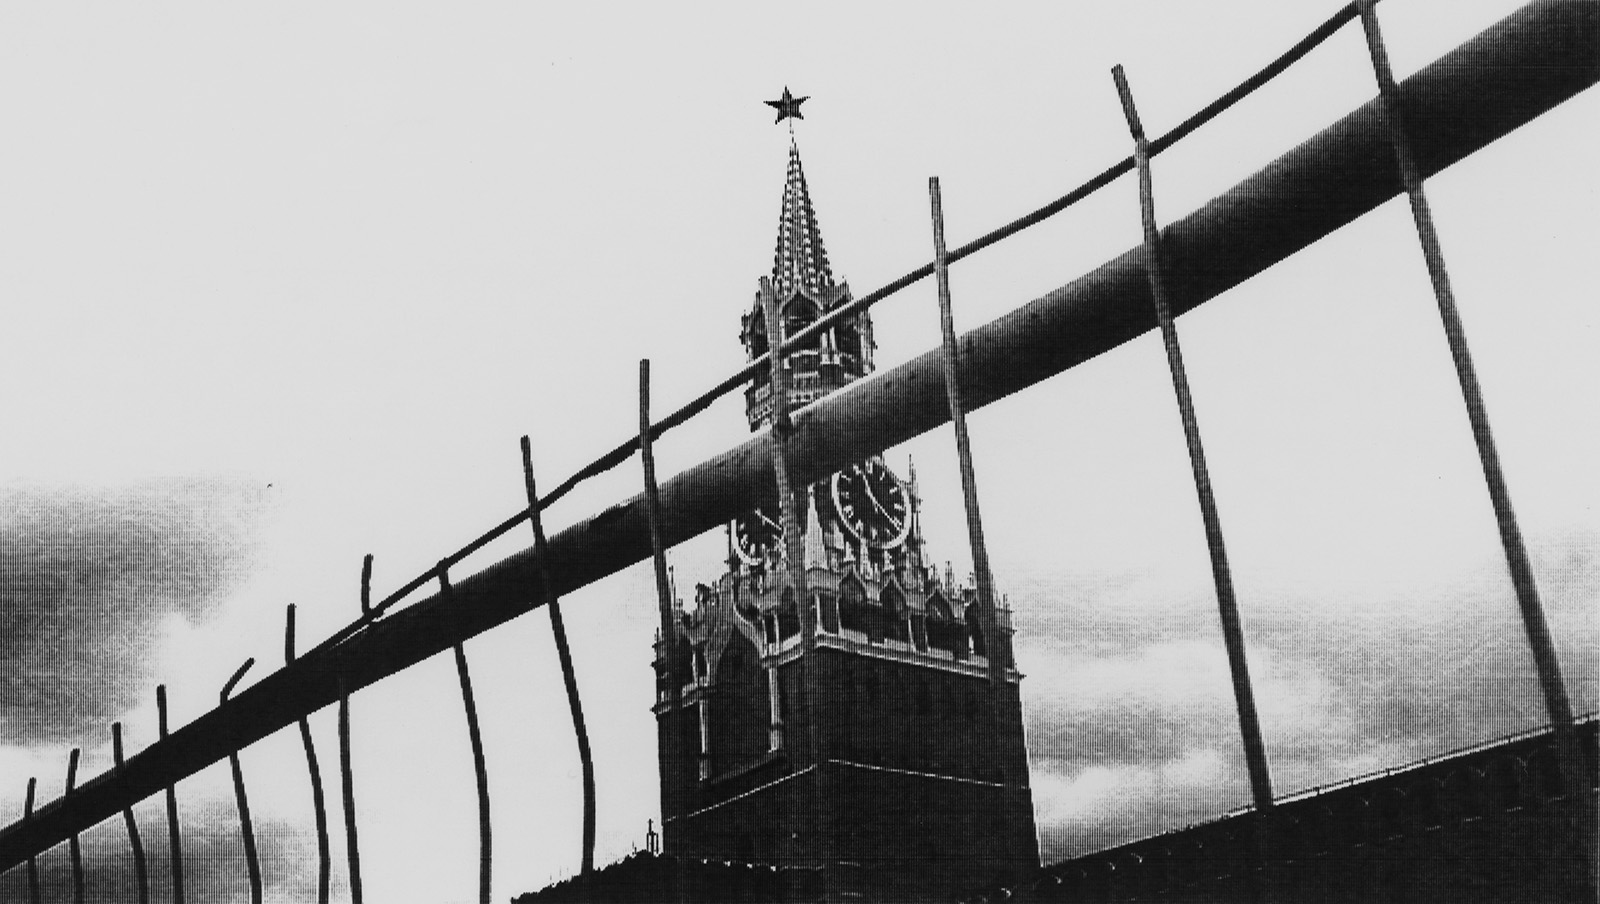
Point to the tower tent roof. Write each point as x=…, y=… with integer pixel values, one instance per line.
x=800, y=263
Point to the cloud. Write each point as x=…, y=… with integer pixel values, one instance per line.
x=1130, y=714
x=86, y=578
x=214, y=867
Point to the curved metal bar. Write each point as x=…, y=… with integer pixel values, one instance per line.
x=251, y=861
x=480, y=768
x=140, y=871
x=1227, y=604
x=1547, y=663
x=33, y=864
x=347, y=782
x=72, y=843
x=174, y=836
x=997, y=648
x=318, y=805
x=569, y=676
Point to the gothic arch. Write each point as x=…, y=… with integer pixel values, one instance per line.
x=893, y=601
x=799, y=313
x=975, y=636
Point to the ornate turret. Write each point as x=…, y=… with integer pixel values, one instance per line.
x=805, y=289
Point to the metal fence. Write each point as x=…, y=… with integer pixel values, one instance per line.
x=1539, y=57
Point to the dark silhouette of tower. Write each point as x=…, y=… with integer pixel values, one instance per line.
x=886, y=762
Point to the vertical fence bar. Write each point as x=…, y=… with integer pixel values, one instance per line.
x=72, y=843
x=998, y=651
x=1547, y=662
x=348, y=785
x=318, y=805
x=479, y=768
x=672, y=750
x=33, y=862
x=246, y=830
x=790, y=499
x=1232, y=630
x=568, y=675
x=140, y=871
x=1544, y=652
x=174, y=836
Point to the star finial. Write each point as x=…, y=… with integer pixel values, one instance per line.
x=787, y=106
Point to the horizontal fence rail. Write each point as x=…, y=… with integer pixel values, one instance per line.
x=1535, y=59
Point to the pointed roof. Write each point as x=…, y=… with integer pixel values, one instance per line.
x=800, y=264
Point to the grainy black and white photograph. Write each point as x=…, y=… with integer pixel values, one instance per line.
x=806, y=452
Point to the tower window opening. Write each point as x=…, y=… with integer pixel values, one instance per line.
x=788, y=615
x=830, y=612
x=797, y=316
x=944, y=632
x=975, y=633
x=853, y=613
x=894, y=613
x=847, y=338
x=919, y=632
x=755, y=339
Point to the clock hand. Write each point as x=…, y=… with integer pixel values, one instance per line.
x=866, y=487
x=775, y=525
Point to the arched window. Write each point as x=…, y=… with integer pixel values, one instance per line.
x=852, y=604
x=975, y=633
x=797, y=315
x=894, y=612
x=830, y=612
x=944, y=632
x=788, y=615
x=755, y=329
x=847, y=338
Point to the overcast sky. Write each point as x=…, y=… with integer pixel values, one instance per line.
x=283, y=285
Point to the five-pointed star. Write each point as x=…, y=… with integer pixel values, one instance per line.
x=788, y=105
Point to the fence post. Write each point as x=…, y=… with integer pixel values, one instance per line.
x=33, y=863
x=999, y=651
x=1545, y=659
x=790, y=500
x=1232, y=631
x=72, y=843
x=568, y=675
x=318, y=805
x=174, y=837
x=140, y=871
x=348, y=784
x=246, y=831
x=479, y=768
x=672, y=751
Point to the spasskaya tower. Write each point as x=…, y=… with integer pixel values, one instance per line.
x=884, y=759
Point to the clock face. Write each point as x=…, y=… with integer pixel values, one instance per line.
x=872, y=504
x=756, y=534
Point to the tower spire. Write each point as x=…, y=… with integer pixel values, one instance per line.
x=804, y=288
x=800, y=263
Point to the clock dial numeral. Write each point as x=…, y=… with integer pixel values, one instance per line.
x=756, y=535
x=872, y=504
